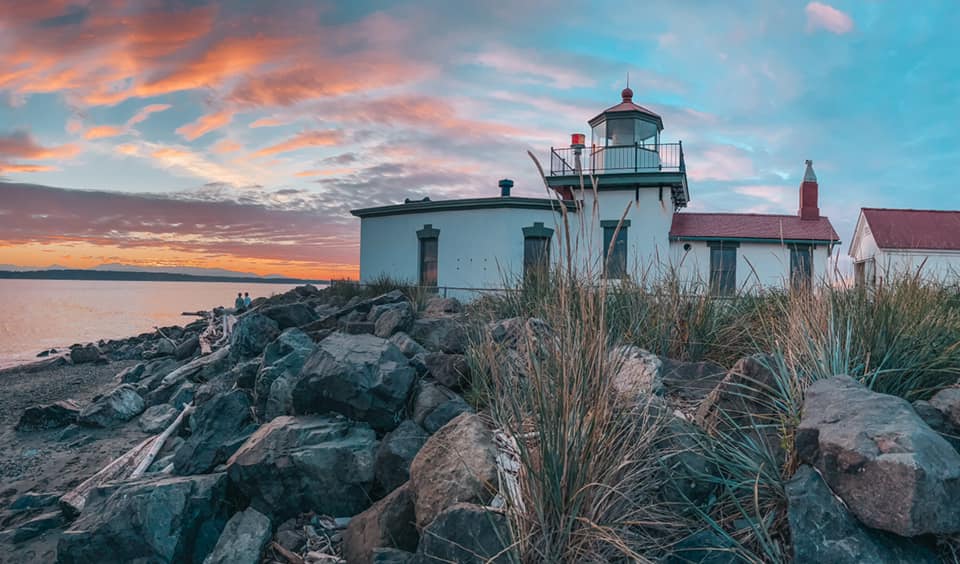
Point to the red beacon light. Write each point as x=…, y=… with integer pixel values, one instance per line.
x=578, y=140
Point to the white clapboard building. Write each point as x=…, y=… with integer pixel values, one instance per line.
x=634, y=220
x=898, y=242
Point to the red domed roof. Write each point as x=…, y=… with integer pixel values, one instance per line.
x=627, y=105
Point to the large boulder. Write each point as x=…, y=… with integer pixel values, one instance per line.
x=315, y=463
x=822, y=530
x=85, y=354
x=51, y=416
x=157, y=418
x=438, y=305
x=395, y=317
x=451, y=370
x=444, y=413
x=467, y=534
x=407, y=345
x=391, y=467
x=637, y=374
x=200, y=369
x=937, y=421
x=290, y=315
x=428, y=396
x=441, y=334
x=217, y=429
x=745, y=395
x=283, y=359
x=187, y=347
x=252, y=334
x=361, y=376
x=690, y=381
x=874, y=451
x=458, y=463
x=947, y=401
x=116, y=407
x=243, y=539
x=154, y=519
x=388, y=523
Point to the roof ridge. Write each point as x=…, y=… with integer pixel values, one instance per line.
x=910, y=210
x=681, y=213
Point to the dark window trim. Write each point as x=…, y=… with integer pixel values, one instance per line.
x=714, y=279
x=537, y=231
x=429, y=232
x=617, y=229
x=809, y=248
x=614, y=222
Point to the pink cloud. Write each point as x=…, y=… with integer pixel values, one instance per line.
x=205, y=124
x=825, y=16
x=719, y=162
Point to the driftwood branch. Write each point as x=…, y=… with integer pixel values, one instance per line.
x=291, y=557
x=72, y=502
x=162, y=334
x=158, y=444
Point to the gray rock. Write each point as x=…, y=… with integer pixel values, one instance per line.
x=39, y=525
x=441, y=334
x=467, y=534
x=252, y=334
x=361, y=376
x=873, y=450
x=396, y=317
x=34, y=500
x=85, y=354
x=183, y=395
x=458, y=463
x=243, y=539
x=290, y=315
x=692, y=381
x=217, y=429
x=187, y=348
x=438, y=305
x=154, y=519
x=387, y=523
x=937, y=421
x=245, y=373
x=201, y=369
x=358, y=327
x=161, y=348
x=948, y=402
x=689, y=472
x=283, y=359
x=51, y=416
x=315, y=463
x=406, y=344
x=637, y=374
x=157, y=418
x=397, y=450
x=428, y=396
x=450, y=370
x=444, y=413
x=822, y=530
x=118, y=406
x=132, y=374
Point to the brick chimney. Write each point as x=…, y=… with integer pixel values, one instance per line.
x=809, y=206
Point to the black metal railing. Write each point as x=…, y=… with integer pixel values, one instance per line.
x=617, y=159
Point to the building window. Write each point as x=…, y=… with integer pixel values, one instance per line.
x=723, y=268
x=536, y=250
x=615, y=255
x=428, y=237
x=801, y=266
x=865, y=272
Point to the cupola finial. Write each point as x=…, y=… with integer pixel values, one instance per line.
x=809, y=175
x=627, y=94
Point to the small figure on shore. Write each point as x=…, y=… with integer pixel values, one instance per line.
x=246, y=300
x=238, y=304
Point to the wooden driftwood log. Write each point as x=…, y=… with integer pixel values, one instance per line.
x=159, y=442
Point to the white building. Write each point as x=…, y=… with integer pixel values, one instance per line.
x=896, y=242
x=633, y=220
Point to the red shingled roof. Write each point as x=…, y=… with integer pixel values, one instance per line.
x=914, y=229
x=751, y=226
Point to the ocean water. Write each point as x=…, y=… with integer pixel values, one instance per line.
x=36, y=315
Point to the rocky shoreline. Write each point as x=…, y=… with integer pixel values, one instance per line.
x=327, y=429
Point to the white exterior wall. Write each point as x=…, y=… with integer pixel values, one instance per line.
x=476, y=248
x=648, y=241
x=931, y=264
x=759, y=265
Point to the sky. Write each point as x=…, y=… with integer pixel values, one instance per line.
x=239, y=134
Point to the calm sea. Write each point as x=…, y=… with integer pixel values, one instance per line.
x=41, y=314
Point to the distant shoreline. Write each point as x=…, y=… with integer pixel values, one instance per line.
x=121, y=276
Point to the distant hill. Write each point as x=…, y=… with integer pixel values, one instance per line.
x=139, y=276
x=191, y=270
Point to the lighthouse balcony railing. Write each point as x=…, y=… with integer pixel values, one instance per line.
x=665, y=157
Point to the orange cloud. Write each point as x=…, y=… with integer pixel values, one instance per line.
x=21, y=145
x=268, y=122
x=322, y=138
x=102, y=131
x=12, y=167
x=145, y=112
x=226, y=146
x=205, y=124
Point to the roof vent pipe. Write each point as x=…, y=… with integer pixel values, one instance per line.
x=505, y=185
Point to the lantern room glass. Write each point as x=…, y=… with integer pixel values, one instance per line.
x=620, y=132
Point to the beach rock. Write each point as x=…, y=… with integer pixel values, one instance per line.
x=689, y=473
x=183, y=395
x=893, y=471
x=161, y=348
x=39, y=525
x=444, y=413
x=283, y=360
x=243, y=539
x=428, y=396
x=34, y=500
x=118, y=406
x=85, y=354
x=358, y=327
x=450, y=370
x=441, y=334
x=361, y=376
x=948, y=402
x=438, y=305
x=397, y=317
x=637, y=374
x=217, y=429
x=201, y=369
x=187, y=348
x=245, y=373
x=822, y=530
x=387, y=523
x=152, y=376
x=290, y=315
x=157, y=418
x=406, y=344
x=391, y=556
x=936, y=420
x=458, y=463
x=467, y=534
x=313, y=463
x=391, y=467
x=743, y=395
x=50, y=416
x=132, y=374
x=153, y=519
x=692, y=381
x=252, y=333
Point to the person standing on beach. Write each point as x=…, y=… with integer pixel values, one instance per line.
x=246, y=300
x=238, y=303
